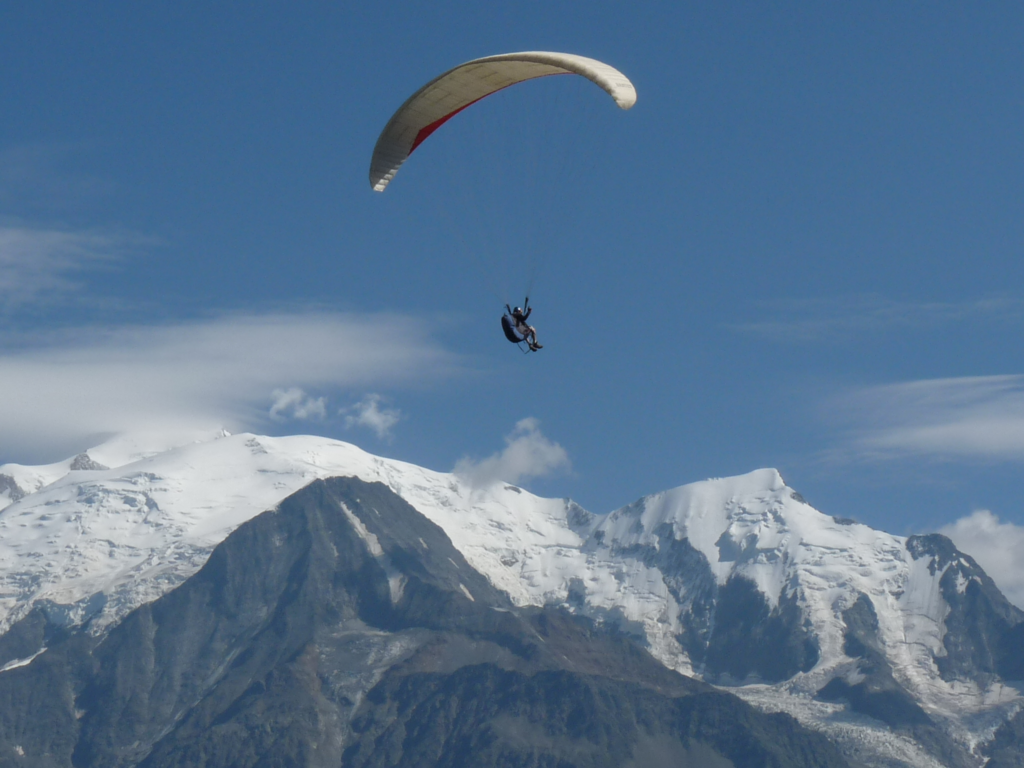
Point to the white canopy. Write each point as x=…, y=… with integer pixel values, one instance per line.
x=448, y=94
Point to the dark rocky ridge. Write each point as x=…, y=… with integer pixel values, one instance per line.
x=85, y=461
x=983, y=629
x=754, y=642
x=345, y=629
x=8, y=484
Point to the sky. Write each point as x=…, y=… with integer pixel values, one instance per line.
x=802, y=248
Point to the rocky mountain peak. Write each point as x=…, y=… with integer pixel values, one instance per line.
x=86, y=462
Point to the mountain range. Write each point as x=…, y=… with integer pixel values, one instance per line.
x=248, y=600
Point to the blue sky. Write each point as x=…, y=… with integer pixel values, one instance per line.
x=801, y=249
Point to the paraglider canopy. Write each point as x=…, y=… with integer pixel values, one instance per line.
x=450, y=93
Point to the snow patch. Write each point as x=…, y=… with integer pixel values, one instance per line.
x=396, y=579
x=16, y=663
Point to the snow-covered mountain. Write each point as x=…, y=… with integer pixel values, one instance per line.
x=898, y=648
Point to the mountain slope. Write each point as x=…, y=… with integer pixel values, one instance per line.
x=344, y=628
x=96, y=543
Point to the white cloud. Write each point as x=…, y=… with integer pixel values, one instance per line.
x=40, y=265
x=368, y=413
x=58, y=390
x=997, y=548
x=294, y=403
x=977, y=416
x=839, y=318
x=527, y=454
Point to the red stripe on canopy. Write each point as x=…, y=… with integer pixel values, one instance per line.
x=425, y=131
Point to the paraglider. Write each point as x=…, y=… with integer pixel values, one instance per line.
x=459, y=88
x=513, y=323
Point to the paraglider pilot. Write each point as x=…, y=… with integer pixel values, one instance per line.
x=528, y=332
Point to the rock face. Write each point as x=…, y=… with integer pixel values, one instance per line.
x=344, y=628
x=750, y=640
x=10, y=489
x=1006, y=750
x=982, y=627
x=86, y=462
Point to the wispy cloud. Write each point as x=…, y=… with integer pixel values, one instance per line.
x=59, y=389
x=997, y=548
x=802, y=321
x=294, y=403
x=43, y=264
x=978, y=416
x=368, y=413
x=528, y=453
